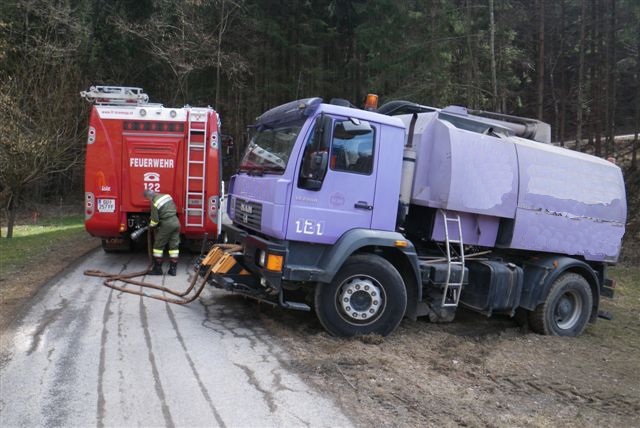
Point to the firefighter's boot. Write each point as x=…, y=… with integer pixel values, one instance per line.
x=157, y=267
x=172, y=268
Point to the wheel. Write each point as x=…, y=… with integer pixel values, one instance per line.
x=366, y=296
x=567, y=308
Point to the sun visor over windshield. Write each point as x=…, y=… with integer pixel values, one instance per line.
x=288, y=112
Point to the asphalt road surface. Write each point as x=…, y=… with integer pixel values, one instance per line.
x=86, y=355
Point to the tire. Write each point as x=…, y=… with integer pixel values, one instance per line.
x=567, y=308
x=367, y=296
x=105, y=248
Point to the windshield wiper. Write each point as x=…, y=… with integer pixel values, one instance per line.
x=252, y=169
x=277, y=169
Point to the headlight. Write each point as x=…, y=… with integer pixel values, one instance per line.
x=262, y=258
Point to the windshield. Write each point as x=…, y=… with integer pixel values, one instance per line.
x=270, y=148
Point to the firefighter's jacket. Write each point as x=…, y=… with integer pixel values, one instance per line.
x=163, y=211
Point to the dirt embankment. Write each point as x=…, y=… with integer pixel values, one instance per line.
x=476, y=371
x=21, y=282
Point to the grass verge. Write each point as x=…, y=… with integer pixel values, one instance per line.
x=32, y=242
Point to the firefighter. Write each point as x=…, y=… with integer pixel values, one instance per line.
x=167, y=230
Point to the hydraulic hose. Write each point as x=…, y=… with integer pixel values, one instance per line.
x=181, y=300
x=180, y=296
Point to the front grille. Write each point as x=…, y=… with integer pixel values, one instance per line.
x=248, y=213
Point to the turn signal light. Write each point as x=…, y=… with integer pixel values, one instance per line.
x=274, y=262
x=123, y=227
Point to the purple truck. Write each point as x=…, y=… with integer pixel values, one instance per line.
x=409, y=211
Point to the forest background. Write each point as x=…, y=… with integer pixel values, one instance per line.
x=572, y=63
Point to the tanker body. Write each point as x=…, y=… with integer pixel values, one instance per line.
x=134, y=145
x=368, y=218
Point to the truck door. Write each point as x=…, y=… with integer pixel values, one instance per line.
x=150, y=163
x=336, y=181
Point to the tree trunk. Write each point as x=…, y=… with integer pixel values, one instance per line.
x=594, y=81
x=556, y=109
x=563, y=74
x=540, y=59
x=473, y=96
x=218, y=63
x=11, y=214
x=433, y=34
x=583, y=11
x=636, y=143
x=494, y=78
x=611, y=82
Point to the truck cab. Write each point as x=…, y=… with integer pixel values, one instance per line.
x=312, y=183
x=313, y=178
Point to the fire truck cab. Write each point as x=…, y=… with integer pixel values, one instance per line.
x=133, y=145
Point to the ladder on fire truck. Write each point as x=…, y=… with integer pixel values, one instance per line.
x=115, y=95
x=455, y=257
x=196, y=167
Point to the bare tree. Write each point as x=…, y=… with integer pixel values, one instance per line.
x=611, y=80
x=29, y=152
x=583, y=18
x=492, y=41
x=40, y=133
x=636, y=111
x=540, y=59
x=179, y=35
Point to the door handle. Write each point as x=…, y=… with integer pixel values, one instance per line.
x=363, y=205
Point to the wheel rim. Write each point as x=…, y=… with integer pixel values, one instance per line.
x=568, y=310
x=360, y=299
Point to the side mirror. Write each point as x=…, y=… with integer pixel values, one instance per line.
x=316, y=156
x=311, y=184
x=314, y=170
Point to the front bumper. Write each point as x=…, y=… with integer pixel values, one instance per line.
x=238, y=270
x=249, y=259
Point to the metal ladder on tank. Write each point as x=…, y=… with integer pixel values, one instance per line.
x=455, y=257
x=196, y=167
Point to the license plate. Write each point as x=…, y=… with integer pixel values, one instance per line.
x=106, y=205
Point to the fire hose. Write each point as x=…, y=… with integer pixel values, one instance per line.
x=208, y=262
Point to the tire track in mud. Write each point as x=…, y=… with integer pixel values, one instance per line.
x=531, y=387
x=465, y=364
x=597, y=400
x=510, y=384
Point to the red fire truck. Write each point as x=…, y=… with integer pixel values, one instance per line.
x=135, y=145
